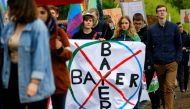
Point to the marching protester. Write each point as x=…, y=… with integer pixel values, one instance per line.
x=100, y=26
x=87, y=32
x=183, y=70
x=141, y=29
x=165, y=50
x=125, y=30
x=60, y=53
x=27, y=72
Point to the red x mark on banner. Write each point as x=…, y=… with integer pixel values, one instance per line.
x=103, y=78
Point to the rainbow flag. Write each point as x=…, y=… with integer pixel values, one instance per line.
x=74, y=19
x=84, y=7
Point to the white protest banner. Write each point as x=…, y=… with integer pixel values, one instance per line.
x=105, y=75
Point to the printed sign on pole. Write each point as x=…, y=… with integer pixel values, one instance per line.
x=185, y=16
x=130, y=8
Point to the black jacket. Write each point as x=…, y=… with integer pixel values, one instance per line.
x=164, y=44
x=82, y=35
x=143, y=34
x=103, y=30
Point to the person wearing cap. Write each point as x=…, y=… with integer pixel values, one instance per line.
x=86, y=32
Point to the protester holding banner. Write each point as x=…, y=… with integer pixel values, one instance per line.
x=86, y=32
x=141, y=29
x=183, y=70
x=100, y=26
x=125, y=30
x=60, y=53
x=165, y=50
x=27, y=72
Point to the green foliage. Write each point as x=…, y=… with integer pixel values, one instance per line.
x=63, y=11
x=180, y=4
x=150, y=6
x=107, y=4
x=173, y=6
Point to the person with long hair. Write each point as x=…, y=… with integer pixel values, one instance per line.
x=125, y=30
x=60, y=53
x=27, y=71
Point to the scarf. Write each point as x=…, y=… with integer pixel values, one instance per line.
x=124, y=32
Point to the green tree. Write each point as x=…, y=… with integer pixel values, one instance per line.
x=63, y=11
x=150, y=6
x=180, y=4
x=107, y=4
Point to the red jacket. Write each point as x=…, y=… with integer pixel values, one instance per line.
x=61, y=74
